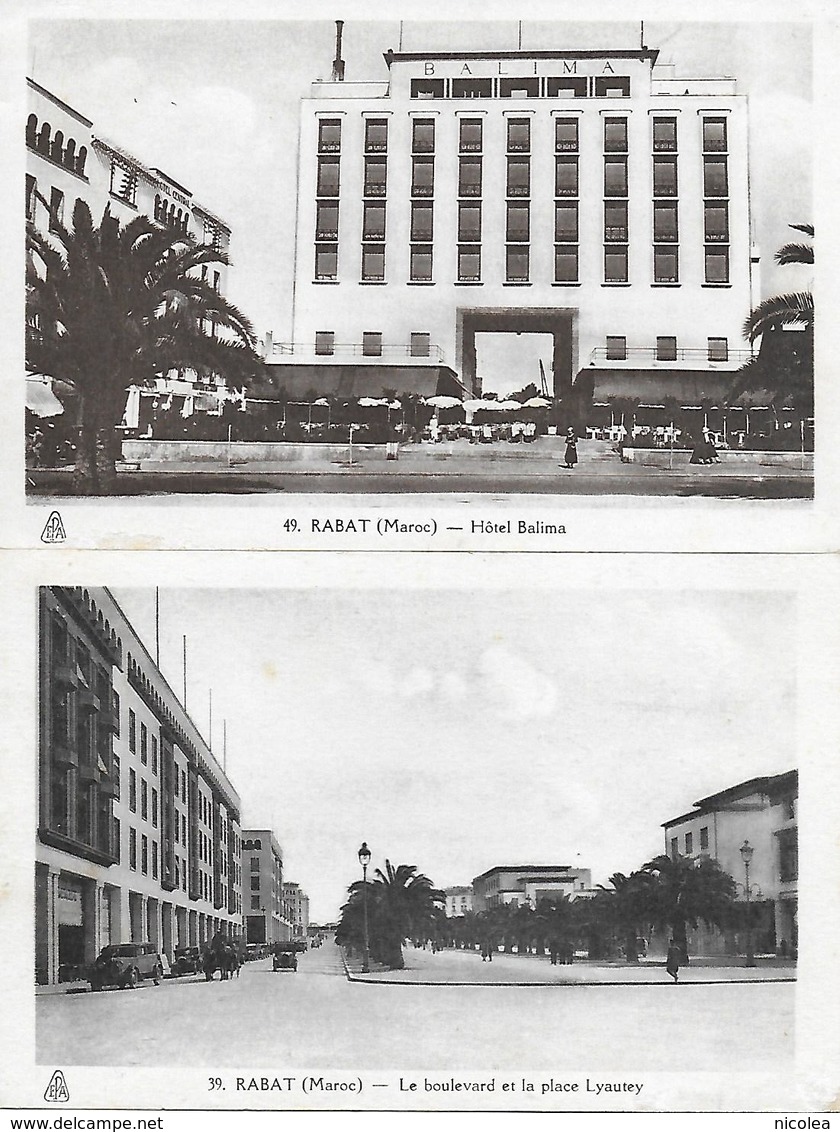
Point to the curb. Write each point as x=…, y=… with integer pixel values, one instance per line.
x=610, y=983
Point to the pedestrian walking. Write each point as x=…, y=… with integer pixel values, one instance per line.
x=672, y=962
x=571, y=448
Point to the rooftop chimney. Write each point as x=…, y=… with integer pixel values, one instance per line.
x=338, y=62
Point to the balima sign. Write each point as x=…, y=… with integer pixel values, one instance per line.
x=516, y=67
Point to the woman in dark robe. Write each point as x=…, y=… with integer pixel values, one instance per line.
x=672, y=963
x=571, y=448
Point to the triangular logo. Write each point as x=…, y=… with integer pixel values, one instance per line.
x=57, y=1089
x=54, y=530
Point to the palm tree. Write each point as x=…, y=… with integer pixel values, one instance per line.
x=111, y=306
x=683, y=891
x=784, y=366
x=631, y=901
x=401, y=903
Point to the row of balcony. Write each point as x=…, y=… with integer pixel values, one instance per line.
x=631, y=356
x=426, y=352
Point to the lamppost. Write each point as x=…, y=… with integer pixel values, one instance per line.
x=364, y=861
x=746, y=856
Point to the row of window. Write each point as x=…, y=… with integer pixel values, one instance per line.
x=63, y=151
x=566, y=135
x=566, y=260
x=717, y=349
x=419, y=347
x=689, y=843
x=549, y=86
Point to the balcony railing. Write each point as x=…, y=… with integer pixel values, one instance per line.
x=644, y=355
x=340, y=350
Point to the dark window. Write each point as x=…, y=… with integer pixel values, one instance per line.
x=115, y=775
x=615, y=221
x=519, y=135
x=324, y=341
x=665, y=264
x=612, y=86
x=56, y=209
x=615, y=135
x=615, y=176
x=144, y=799
x=472, y=88
x=326, y=224
x=518, y=222
x=469, y=177
x=420, y=343
x=665, y=134
x=717, y=265
x=30, y=196
x=132, y=848
x=788, y=855
x=329, y=135
x=664, y=176
x=566, y=134
x=714, y=177
x=716, y=223
x=714, y=135
x=154, y=806
x=616, y=348
x=154, y=859
x=718, y=349
x=328, y=176
x=566, y=87
x=674, y=849
x=615, y=264
x=376, y=169
x=423, y=135
x=469, y=223
x=518, y=177
x=519, y=88
x=373, y=263
x=427, y=88
x=470, y=135
x=154, y=745
x=666, y=351
x=421, y=263
x=565, y=265
x=372, y=343
x=421, y=221
x=565, y=222
x=422, y=176
x=469, y=264
x=517, y=264
x=144, y=854
x=689, y=844
x=144, y=742
x=132, y=791
x=704, y=837
x=566, y=177
x=376, y=136
x=326, y=261
x=665, y=221
x=373, y=227
x=123, y=182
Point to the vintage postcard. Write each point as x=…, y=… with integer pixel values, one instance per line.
x=491, y=280
x=445, y=835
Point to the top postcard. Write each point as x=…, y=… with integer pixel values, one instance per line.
x=415, y=285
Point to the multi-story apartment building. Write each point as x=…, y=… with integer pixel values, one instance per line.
x=266, y=916
x=139, y=826
x=762, y=812
x=590, y=195
x=459, y=900
x=297, y=908
x=528, y=884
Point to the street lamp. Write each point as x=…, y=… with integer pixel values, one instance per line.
x=746, y=856
x=364, y=861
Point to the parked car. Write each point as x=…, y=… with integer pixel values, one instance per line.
x=187, y=961
x=285, y=957
x=125, y=964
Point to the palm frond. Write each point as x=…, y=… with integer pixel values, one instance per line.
x=795, y=253
x=808, y=229
x=796, y=307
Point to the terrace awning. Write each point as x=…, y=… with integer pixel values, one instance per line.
x=40, y=398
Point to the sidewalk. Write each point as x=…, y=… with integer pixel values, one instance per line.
x=465, y=968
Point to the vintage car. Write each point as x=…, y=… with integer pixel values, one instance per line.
x=285, y=957
x=187, y=961
x=125, y=964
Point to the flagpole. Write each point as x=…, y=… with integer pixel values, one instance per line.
x=157, y=627
x=185, y=672
x=210, y=735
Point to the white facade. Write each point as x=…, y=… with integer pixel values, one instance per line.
x=589, y=194
x=266, y=915
x=139, y=830
x=528, y=884
x=459, y=900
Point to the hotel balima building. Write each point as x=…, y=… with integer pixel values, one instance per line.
x=590, y=195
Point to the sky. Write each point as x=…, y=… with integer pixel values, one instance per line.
x=215, y=105
x=457, y=730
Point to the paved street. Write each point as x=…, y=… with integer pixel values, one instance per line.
x=316, y=1019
